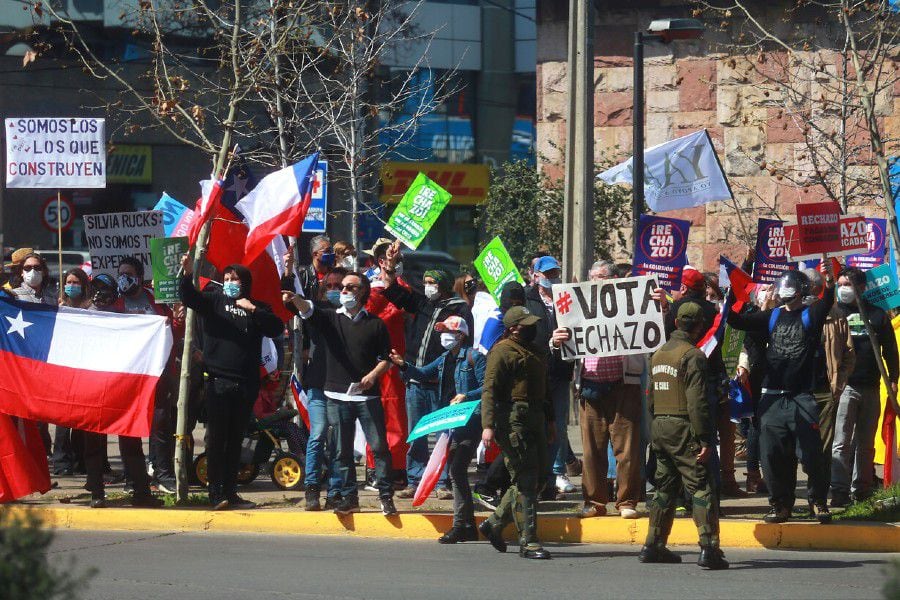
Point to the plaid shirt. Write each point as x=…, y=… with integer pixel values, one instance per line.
x=607, y=369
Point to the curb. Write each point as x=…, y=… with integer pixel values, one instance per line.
x=869, y=537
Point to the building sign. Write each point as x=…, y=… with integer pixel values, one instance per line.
x=468, y=184
x=130, y=164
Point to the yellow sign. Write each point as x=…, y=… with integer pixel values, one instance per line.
x=467, y=183
x=130, y=164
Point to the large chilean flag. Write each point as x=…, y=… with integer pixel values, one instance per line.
x=88, y=370
x=277, y=205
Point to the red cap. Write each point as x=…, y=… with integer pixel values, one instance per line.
x=693, y=279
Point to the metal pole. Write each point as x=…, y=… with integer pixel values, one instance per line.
x=62, y=282
x=571, y=128
x=637, y=204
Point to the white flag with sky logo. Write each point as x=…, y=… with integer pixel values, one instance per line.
x=682, y=173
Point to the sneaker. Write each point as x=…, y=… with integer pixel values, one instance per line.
x=332, y=501
x=387, y=507
x=777, y=515
x=236, y=502
x=370, y=481
x=590, y=510
x=312, y=501
x=564, y=485
x=347, y=506
x=218, y=503
x=486, y=500
x=166, y=486
x=732, y=490
x=407, y=492
x=628, y=513
x=444, y=494
x=98, y=502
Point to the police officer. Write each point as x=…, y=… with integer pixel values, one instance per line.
x=514, y=414
x=681, y=434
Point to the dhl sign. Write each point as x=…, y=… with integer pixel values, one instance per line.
x=468, y=184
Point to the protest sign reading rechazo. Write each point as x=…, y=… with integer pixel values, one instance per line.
x=661, y=250
x=609, y=318
x=166, y=256
x=418, y=211
x=849, y=238
x=55, y=153
x=881, y=287
x=771, y=252
x=113, y=236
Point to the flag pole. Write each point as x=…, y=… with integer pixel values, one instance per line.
x=62, y=282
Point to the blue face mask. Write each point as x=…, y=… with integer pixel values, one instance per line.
x=232, y=289
x=327, y=259
x=334, y=297
x=73, y=290
x=547, y=283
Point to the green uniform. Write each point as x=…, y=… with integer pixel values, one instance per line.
x=681, y=426
x=514, y=404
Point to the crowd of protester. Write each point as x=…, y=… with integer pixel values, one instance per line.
x=370, y=349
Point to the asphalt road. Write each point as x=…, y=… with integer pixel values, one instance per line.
x=196, y=566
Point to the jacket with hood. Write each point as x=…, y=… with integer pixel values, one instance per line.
x=423, y=344
x=232, y=336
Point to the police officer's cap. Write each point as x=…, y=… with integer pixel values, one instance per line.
x=519, y=315
x=689, y=314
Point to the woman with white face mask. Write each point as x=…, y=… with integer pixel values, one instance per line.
x=460, y=375
x=31, y=282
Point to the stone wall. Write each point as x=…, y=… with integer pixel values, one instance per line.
x=689, y=86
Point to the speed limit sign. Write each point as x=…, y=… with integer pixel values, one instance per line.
x=53, y=217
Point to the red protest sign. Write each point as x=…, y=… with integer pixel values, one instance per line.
x=850, y=238
x=818, y=226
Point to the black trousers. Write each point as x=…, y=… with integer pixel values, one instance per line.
x=68, y=448
x=162, y=432
x=461, y=453
x=132, y=459
x=229, y=405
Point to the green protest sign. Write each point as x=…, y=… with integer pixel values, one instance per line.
x=165, y=257
x=455, y=415
x=417, y=212
x=496, y=267
x=732, y=344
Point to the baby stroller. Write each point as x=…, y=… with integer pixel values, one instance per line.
x=266, y=435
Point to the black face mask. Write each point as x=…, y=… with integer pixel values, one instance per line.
x=527, y=334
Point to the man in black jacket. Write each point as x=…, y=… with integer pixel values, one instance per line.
x=423, y=345
x=233, y=328
x=853, y=450
x=357, y=351
x=539, y=301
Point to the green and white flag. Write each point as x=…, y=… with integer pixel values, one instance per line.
x=496, y=267
x=418, y=211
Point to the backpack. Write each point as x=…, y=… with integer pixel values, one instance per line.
x=776, y=312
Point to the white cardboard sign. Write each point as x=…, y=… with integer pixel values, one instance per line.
x=609, y=318
x=113, y=236
x=55, y=153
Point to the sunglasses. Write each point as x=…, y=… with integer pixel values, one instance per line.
x=351, y=288
x=28, y=268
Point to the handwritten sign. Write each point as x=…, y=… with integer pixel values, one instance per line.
x=113, y=236
x=55, y=153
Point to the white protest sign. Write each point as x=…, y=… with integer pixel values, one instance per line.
x=113, y=236
x=609, y=318
x=55, y=153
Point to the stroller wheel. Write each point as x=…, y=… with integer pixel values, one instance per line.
x=200, y=469
x=287, y=472
x=247, y=473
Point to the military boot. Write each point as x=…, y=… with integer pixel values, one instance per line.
x=712, y=558
x=658, y=553
x=535, y=551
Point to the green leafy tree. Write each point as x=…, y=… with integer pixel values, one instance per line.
x=25, y=571
x=525, y=208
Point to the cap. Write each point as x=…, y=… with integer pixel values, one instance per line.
x=519, y=315
x=19, y=256
x=378, y=243
x=693, y=279
x=689, y=314
x=451, y=324
x=546, y=263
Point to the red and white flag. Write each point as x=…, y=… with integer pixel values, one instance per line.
x=23, y=460
x=433, y=469
x=206, y=207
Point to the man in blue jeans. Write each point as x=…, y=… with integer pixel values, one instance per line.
x=423, y=345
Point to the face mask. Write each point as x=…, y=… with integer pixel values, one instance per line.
x=333, y=296
x=33, y=277
x=786, y=294
x=431, y=291
x=348, y=300
x=527, y=334
x=449, y=341
x=347, y=263
x=232, y=289
x=846, y=295
x=327, y=259
x=127, y=284
x=73, y=290
x=548, y=283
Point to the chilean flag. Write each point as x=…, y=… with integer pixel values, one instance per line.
x=740, y=284
x=300, y=400
x=88, y=370
x=23, y=460
x=205, y=208
x=277, y=205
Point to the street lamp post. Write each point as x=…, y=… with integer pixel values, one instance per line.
x=665, y=31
